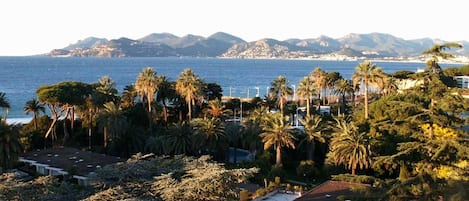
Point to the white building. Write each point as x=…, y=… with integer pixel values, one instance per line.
x=462, y=81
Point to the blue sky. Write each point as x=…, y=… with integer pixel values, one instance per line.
x=33, y=27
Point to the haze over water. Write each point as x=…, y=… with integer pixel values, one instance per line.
x=21, y=76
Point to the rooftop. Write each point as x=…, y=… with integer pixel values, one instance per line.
x=330, y=190
x=67, y=158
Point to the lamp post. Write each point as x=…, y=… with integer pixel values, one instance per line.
x=297, y=116
x=257, y=92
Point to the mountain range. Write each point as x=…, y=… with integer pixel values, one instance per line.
x=220, y=44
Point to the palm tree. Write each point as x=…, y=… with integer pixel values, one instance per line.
x=319, y=77
x=210, y=133
x=312, y=131
x=280, y=88
x=165, y=92
x=277, y=132
x=350, y=147
x=112, y=121
x=366, y=73
x=146, y=86
x=10, y=146
x=128, y=96
x=343, y=87
x=306, y=89
x=234, y=131
x=4, y=104
x=33, y=106
x=215, y=109
x=178, y=139
x=189, y=86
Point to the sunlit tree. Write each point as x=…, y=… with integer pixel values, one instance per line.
x=189, y=86
x=277, y=132
x=366, y=73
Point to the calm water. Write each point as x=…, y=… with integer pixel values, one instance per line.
x=21, y=76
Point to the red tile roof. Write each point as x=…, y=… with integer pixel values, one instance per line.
x=330, y=190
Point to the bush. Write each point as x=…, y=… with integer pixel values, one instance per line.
x=307, y=169
x=355, y=178
x=276, y=172
x=261, y=192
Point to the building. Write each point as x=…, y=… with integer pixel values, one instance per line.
x=332, y=190
x=462, y=81
x=61, y=161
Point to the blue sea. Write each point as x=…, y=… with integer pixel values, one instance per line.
x=21, y=76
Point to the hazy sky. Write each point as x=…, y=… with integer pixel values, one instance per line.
x=37, y=26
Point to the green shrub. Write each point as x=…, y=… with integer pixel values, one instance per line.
x=307, y=169
x=276, y=172
x=355, y=178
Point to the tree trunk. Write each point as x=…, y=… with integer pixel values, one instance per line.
x=105, y=136
x=35, y=121
x=353, y=170
x=366, y=100
x=278, y=157
x=66, y=133
x=189, y=113
x=165, y=113
x=310, y=151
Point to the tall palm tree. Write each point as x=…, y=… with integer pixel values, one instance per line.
x=312, y=131
x=146, y=87
x=33, y=106
x=350, y=147
x=128, y=96
x=189, y=86
x=166, y=93
x=277, y=132
x=4, y=104
x=343, y=87
x=320, y=78
x=10, y=146
x=366, y=73
x=280, y=88
x=306, y=89
x=331, y=78
x=112, y=121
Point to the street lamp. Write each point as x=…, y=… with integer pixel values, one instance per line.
x=257, y=93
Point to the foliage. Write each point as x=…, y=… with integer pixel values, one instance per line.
x=178, y=178
x=40, y=188
x=307, y=168
x=350, y=147
x=280, y=88
x=189, y=86
x=365, y=179
x=277, y=133
x=10, y=147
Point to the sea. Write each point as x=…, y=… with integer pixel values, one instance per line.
x=20, y=77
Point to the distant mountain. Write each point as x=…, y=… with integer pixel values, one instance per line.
x=89, y=42
x=220, y=44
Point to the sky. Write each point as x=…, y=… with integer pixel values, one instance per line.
x=30, y=27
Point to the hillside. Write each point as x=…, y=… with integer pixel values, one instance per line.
x=371, y=45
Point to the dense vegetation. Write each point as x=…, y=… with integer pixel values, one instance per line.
x=407, y=142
